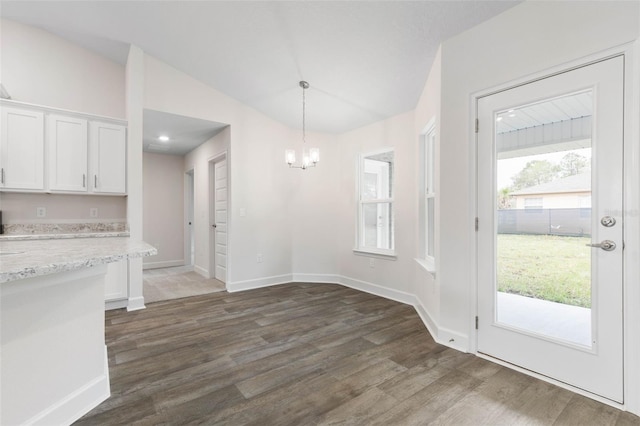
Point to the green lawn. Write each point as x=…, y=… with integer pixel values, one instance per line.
x=546, y=267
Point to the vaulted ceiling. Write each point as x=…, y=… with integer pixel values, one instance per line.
x=365, y=60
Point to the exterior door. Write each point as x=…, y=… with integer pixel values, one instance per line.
x=550, y=227
x=220, y=219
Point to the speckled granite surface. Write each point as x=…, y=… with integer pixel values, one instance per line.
x=30, y=258
x=62, y=236
x=63, y=228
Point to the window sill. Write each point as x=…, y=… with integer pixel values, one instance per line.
x=388, y=255
x=427, y=265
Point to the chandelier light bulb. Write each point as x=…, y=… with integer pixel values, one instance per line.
x=310, y=157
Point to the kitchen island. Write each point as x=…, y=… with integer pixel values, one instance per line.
x=53, y=359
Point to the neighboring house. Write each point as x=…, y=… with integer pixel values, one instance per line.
x=560, y=207
x=571, y=192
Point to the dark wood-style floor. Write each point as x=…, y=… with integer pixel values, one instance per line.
x=308, y=354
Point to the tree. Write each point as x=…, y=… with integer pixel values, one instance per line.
x=504, y=198
x=534, y=173
x=573, y=164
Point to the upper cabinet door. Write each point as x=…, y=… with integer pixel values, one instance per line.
x=22, y=149
x=67, y=153
x=108, y=158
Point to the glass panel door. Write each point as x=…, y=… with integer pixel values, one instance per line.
x=543, y=164
x=550, y=227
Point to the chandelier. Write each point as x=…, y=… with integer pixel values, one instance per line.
x=311, y=156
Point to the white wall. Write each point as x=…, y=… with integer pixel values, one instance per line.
x=260, y=181
x=398, y=133
x=527, y=39
x=425, y=285
x=40, y=68
x=313, y=221
x=163, y=211
x=21, y=208
x=198, y=161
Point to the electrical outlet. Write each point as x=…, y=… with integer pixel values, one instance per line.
x=41, y=212
x=372, y=263
x=93, y=212
x=259, y=258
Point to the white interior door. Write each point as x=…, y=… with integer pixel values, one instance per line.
x=549, y=183
x=220, y=226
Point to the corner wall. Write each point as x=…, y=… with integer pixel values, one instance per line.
x=260, y=181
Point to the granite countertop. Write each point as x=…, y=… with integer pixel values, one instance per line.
x=63, y=236
x=38, y=257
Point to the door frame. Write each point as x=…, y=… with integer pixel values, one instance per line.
x=189, y=213
x=211, y=162
x=631, y=232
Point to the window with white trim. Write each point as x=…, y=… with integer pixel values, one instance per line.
x=533, y=203
x=429, y=195
x=375, y=203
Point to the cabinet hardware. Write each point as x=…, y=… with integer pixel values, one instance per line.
x=2, y=181
x=84, y=180
x=95, y=181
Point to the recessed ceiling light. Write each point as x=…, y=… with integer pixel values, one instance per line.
x=499, y=119
x=512, y=115
x=163, y=138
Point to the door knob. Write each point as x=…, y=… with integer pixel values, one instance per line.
x=214, y=226
x=606, y=245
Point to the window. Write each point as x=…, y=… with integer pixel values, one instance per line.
x=429, y=194
x=427, y=198
x=533, y=203
x=375, y=203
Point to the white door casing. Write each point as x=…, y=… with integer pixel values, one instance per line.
x=219, y=220
x=598, y=367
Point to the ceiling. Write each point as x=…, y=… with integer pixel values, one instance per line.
x=185, y=133
x=568, y=107
x=365, y=60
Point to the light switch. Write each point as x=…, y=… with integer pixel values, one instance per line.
x=243, y=212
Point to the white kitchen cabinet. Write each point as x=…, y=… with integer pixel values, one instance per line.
x=67, y=142
x=116, y=289
x=22, y=149
x=108, y=151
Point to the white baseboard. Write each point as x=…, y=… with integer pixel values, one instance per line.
x=135, y=304
x=78, y=403
x=387, y=293
x=163, y=264
x=115, y=304
x=453, y=339
x=201, y=271
x=427, y=320
x=316, y=278
x=258, y=283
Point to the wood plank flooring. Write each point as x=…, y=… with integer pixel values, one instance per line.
x=313, y=354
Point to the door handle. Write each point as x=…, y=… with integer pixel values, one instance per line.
x=214, y=226
x=606, y=245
